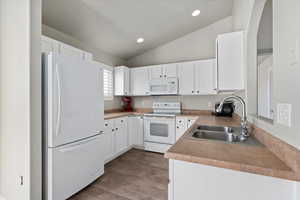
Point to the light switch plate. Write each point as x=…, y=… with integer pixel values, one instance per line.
x=284, y=114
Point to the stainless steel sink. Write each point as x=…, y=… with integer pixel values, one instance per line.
x=221, y=133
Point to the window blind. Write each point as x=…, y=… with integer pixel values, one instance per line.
x=108, y=84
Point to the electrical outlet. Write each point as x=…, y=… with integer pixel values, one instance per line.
x=284, y=114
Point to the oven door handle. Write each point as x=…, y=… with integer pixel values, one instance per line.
x=154, y=118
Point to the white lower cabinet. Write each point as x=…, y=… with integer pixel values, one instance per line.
x=109, y=144
x=195, y=181
x=136, y=131
x=115, y=138
x=121, y=134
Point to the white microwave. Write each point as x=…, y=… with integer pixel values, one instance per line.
x=164, y=86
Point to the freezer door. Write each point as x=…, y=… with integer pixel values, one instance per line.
x=73, y=99
x=72, y=167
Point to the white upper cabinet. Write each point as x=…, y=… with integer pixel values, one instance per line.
x=121, y=80
x=186, y=78
x=156, y=71
x=170, y=70
x=51, y=45
x=139, y=81
x=230, y=61
x=197, y=78
x=205, y=80
x=163, y=71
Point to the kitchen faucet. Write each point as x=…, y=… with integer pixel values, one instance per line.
x=245, y=131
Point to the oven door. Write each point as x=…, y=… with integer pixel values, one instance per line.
x=159, y=129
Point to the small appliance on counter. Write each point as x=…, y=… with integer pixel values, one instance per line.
x=127, y=107
x=227, y=111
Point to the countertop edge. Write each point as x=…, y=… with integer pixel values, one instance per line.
x=282, y=174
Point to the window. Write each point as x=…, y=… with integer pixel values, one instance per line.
x=108, y=83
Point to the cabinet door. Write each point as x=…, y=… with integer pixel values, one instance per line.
x=127, y=81
x=186, y=78
x=132, y=131
x=121, y=135
x=139, y=81
x=204, y=77
x=140, y=132
x=156, y=72
x=109, y=141
x=230, y=61
x=136, y=131
x=121, y=81
x=170, y=70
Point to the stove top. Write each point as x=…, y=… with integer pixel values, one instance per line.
x=160, y=114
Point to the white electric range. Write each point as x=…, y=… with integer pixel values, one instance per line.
x=159, y=126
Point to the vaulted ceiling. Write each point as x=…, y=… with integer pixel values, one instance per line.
x=114, y=25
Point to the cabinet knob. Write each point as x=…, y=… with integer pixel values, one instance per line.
x=117, y=129
x=198, y=92
x=122, y=121
x=192, y=91
x=160, y=76
x=166, y=76
x=113, y=130
x=106, y=124
x=177, y=126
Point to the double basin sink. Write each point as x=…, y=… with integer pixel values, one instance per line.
x=221, y=133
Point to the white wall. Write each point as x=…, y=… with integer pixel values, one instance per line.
x=194, y=46
x=19, y=60
x=286, y=75
x=98, y=54
x=241, y=12
x=35, y=101
x=113, y=104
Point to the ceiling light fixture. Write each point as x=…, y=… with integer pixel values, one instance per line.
x=196, y=13
x=140, y=40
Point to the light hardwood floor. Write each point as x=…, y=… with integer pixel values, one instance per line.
x=136, y=175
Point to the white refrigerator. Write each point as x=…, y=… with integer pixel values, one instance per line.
x=72, y=125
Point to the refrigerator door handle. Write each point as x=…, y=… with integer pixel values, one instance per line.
x=78, y=145
x=58, y=100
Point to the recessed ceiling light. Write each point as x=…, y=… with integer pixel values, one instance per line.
x=196, y=13
x=140, y=40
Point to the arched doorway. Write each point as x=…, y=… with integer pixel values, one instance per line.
x=251, y=54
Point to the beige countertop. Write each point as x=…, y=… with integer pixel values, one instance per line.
x=119, y=114
x=246, y=158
